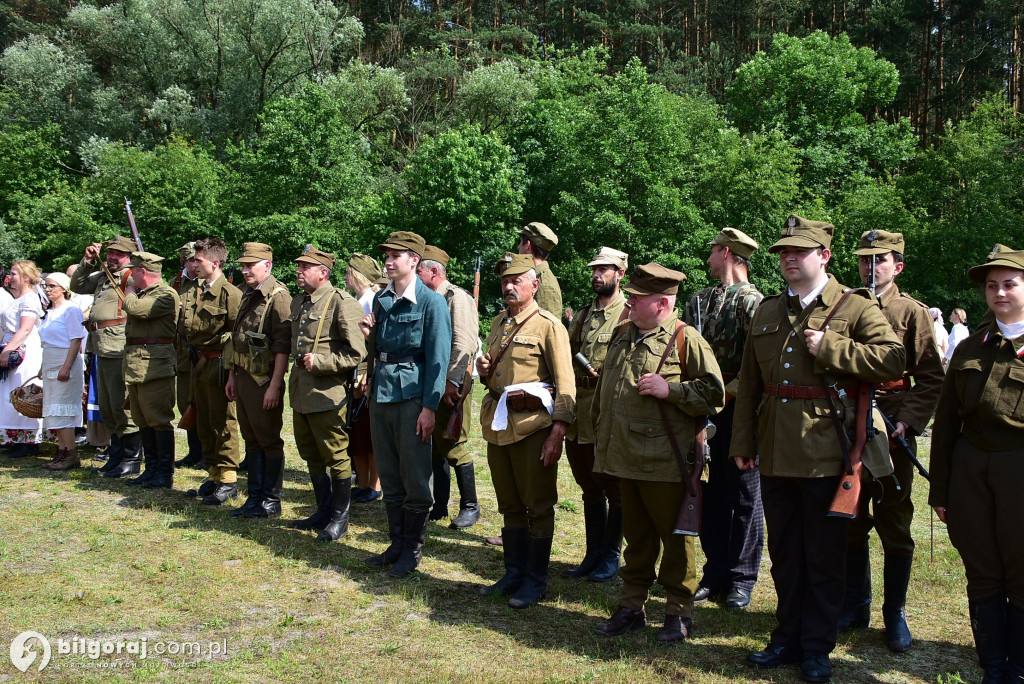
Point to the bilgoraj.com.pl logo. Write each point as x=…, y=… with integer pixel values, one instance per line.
x=24, y=649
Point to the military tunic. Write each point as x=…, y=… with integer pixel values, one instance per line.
x=149, y=362
x=185, y=286
x=549, y=293
x=465, y=332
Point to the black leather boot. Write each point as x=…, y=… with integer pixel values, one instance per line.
x=595, y=520
x=414, y=534
x=270, y=496
x=341, y=498
x=896, y=575
x=254, y=484
x=856, y=613
x=1015, y=620
x=991, y=639
x=608, y=567
x=396, y=527
x=535, y=586
x=164, y=476
x=469, y=507
x=131, y=456
x=322, y=493
x=151, y=455
x=516, y=549
x=195, y=450
x=115, y=454
x=442, y=489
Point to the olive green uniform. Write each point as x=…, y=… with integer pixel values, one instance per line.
x=149, y=361
x=185, y=286
x=549, y=294
x=465, y=329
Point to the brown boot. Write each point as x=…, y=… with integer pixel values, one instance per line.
x=57, y=458
x=69, y=462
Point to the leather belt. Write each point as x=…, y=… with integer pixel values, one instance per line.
x=92, y=326
x=586, y=382
x=211, y=354
x=384, y=357
x=801, y=391
x=149, y=340
x=893, y=385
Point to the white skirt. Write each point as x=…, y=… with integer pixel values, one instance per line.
x=10, y=419
x=62, y=401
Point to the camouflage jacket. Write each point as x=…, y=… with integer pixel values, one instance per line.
x=723, y=315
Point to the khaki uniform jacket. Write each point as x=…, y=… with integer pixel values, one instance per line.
x=185, y=287
x=153, y=312
x=465, y=330
x=538, y=352
x=590, y=333
x=913, y=326
x=107, y=343
x=340, y=349
x=982, y=399
x=549, y=293
x=209, y=315
x=796, y=437
x=632, y=439
x=276, y=324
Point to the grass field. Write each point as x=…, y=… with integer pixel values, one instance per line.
x=86, y=557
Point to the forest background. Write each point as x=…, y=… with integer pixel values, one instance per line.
x=646, y=125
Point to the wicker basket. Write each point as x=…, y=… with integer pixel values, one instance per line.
x=28, y=399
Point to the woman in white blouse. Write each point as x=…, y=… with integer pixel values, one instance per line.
x=20, y=434
x=958, y=334
x=61, y=333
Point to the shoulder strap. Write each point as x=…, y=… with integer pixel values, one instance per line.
x=323, y=317
x=679, y=340
x=582, y=315
x=504, y=347
x=277, y=290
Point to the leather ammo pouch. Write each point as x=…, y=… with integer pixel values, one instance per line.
x=521, y=400
x=259, y=353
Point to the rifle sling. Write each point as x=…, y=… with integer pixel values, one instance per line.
x=504, y=347
x=661, y=406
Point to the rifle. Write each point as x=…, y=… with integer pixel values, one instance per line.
x=902, y=441
x=355, y=406
x=476, y=282
x=585, y=364
x=689, y=520
x=131, y=222
x=453, y=429
x=846, y=501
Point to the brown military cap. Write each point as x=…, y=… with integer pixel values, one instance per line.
x=540, y=235
x=187, y=250
x=804, y=234
x=436, y=254
x=654, y=278
x=366, y=265
x=150, y=262
x=1001, y=256
x=880, y=242
x=383, y=281
x=404, y=239
x=253, y=252
x=606, y=256
x=738, y=242
x=513, y=264
x=312, y=255
x=122, y=244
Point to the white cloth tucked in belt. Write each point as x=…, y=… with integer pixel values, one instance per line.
x=537, y=389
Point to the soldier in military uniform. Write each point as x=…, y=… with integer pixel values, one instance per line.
x=327, y=345
x=261, y=341
x=805, y=345
x=447, y=453
x=530, y=402
x=106, y=341
x=537, y=240
x=185, y=282
x=732, y=528
x=909, y=407
x=149, y=366
x=209, y=317
x=658, y=376
x=590, y=333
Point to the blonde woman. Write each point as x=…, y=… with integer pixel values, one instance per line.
x=61, y=334
x=20, y=358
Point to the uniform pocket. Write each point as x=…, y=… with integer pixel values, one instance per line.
x=766, y=348
x=648, y=444
x=1011, y=393
x=525, y=347
x=408, y=330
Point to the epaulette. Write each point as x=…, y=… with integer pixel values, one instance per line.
x=550, y=316
x=916, y=301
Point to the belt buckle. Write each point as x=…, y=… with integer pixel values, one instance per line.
x=384, y=357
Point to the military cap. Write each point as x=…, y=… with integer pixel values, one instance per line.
x=1001, y=256
x=804, y=234
x=540, y=235
x=654, y=278
x=122, y=244
x=404, y=239
x=366, y=265
x=738, y=242
x=187, y=250
x=436, y=254
x=150, y=262
x=513, y=264
x=880, y=242
x=254, y=252
x=383, y=281
x=61, y=280
x=312, y=255
x=606, y=256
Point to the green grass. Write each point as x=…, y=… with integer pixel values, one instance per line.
x=83, y=556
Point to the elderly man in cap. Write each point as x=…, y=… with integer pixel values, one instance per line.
x=451, y=453
x=261, y=341
x=590, y=333
x=107, y=282
x=530, y=402
x=327, y=346
x=808, y=352
x=184, y=283
x=909, y=406
x=732, y=527
x=149, y=365
x=410, y=341
x=660, y=379
x=537, y=240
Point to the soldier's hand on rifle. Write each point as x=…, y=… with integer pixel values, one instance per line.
x=366, y=325
x=92, y=252
x=814, y=338
x=901, y=429
x=451, y=393
x=483, y=365
x=425, y=424
x=652, y=384
x=744, y=462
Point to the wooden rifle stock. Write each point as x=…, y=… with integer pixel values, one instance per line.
x=846, y=501
x=188, y=418
x=453, y=429
x=689, y=520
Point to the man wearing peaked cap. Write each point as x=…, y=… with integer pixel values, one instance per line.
x=107, y=283
x=659, y=382
x=909, y=406
x=184, y=283
x=590, y=333
x=537, y=240
x=451, y=453
x=732, y=527
x=822, y=335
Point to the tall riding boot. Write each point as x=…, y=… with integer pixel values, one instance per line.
x=516, y=548
x=130, y=460
x=341, y=499
x=147, y=437
x=270, y=496
x=195, y=450
x=396, y=529
x=164, y=476
x=595, y=520
x=990, y=626
x=322, y=493
x=1015, y=621
x=469, y=507
x=414, y=534
x=114, y=456
x=254, y=484
x=856, y=612
x=896, y=575
x=442, y=489
x=535, y=586
x=608, y=568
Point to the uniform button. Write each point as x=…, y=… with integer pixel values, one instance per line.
x=789, y=349
x=785, y=365
x=764, y=328
x=792, y=334
x=499, y=374
x=785, y=382
x=785, y=401
x=615, y=396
